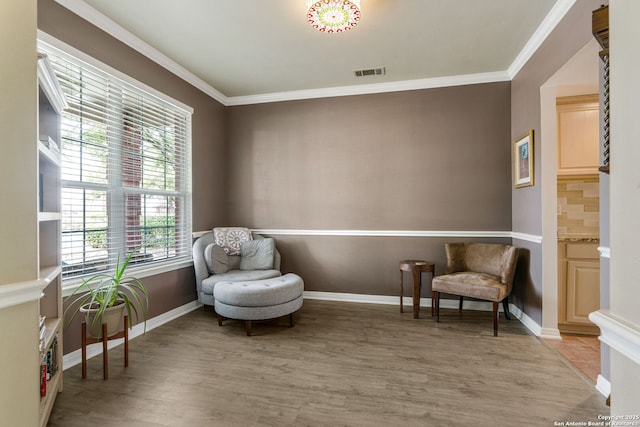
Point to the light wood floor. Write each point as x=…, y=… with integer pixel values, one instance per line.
x=342, y=364
x=582, y=351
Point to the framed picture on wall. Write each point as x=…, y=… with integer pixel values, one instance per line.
x=523, y=160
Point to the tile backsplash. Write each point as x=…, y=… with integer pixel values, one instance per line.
x=578, y=207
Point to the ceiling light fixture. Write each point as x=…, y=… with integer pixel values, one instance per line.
x=333, y=16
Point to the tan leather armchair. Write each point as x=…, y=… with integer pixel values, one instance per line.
x=478, y=270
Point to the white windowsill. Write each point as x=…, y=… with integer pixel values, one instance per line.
x=140, y=272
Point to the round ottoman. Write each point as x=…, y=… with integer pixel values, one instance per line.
x=258, y=299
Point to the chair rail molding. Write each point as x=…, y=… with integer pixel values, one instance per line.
x=605, y=252
x=384, y=233
x=620, y=335
x=392, y=233
x=22, y=292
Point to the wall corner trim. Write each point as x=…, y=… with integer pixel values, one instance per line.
x=620, y=335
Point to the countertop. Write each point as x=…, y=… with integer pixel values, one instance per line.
x=578, y=240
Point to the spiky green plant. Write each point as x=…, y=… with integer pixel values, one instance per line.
x=102, y=290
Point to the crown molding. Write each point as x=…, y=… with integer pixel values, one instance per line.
x=90, y=14
x=366, y=89
x=110, y=27
x=78, y=54
x=548, y=24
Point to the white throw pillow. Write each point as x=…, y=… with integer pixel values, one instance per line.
x=230, y=238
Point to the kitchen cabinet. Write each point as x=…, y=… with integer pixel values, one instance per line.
x=578, y=286
x=578, y=135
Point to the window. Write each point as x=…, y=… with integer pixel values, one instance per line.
x=125, y=171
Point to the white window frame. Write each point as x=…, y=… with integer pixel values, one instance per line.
x=152, y=269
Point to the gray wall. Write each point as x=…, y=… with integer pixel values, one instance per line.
x=170, y=290
x=433, y=159
x=208, y=122
x=571, y=34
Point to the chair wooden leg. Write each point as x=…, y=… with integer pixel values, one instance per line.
x=291, y=320
x=84, y=349
x=220, y=319
x=416, y=278
x=437, y=306
x=495, y=318
x=401, y=308
x=126, y=341
x=460, y=305
x=248, y=325
x=433, y=303
x=505, y=305
x=105, y=353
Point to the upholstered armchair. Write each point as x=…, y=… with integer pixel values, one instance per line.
x=213, y=265
x=478, y=270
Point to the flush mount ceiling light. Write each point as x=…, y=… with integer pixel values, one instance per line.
x=333, y=16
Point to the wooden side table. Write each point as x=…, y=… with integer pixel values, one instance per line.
x=416, y=268
x=105, y=355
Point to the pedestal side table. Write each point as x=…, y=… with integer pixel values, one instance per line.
x=416, y=268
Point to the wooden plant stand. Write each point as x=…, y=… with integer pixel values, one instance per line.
x=105, y=355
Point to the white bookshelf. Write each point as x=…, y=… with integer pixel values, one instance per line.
x=51, y=103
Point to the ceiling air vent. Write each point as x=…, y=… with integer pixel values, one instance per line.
x=380, y=71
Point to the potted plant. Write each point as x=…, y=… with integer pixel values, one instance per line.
x=103, y=298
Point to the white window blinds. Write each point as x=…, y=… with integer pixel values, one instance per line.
x=125, y=171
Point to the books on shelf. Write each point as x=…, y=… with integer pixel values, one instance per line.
x=49, y=366
x=52, y=358
x=43, y=332
x=43, y=380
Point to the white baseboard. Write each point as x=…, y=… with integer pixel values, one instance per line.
x=529, y=323
x=603, y=386
x=394, y=300
x=75, y=357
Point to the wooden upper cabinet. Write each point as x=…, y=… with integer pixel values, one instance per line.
x=578, y=135
x=578, y=287
x=600, y=25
